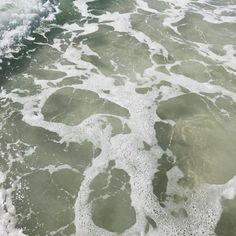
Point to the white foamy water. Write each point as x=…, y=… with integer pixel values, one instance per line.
x=123, y=123
x=18, y=18
x=7, y=212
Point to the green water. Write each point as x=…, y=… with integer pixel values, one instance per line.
x=119, y=118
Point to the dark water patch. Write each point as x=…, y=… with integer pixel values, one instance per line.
x=226, y=225
x=133, y=54
x=163, y=134
x=205, y=32
x=98, y=7
x=183, y=106
x=160, y=179
x=68, y=14
x=47, y=178
x=200, y=142
x=110, y=196
x=72, y=106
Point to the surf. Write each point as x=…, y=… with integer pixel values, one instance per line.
x=18, y=19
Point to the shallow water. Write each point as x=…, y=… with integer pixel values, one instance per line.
x=118, y=117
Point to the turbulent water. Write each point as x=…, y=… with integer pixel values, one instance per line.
x=118, y=117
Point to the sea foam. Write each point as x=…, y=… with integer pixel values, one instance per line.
x=17, y=20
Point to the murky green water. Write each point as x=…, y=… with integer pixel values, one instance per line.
x=118, y=118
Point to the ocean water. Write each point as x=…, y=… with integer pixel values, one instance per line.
x=118, y=117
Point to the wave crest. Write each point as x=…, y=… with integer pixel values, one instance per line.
x=18, y=19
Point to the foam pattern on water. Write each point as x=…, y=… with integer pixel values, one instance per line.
x=118, y=92
x=18, y=19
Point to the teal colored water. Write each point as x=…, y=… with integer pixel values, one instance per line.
x=118, y=117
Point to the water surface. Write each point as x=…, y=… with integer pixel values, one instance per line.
x=118, y=117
